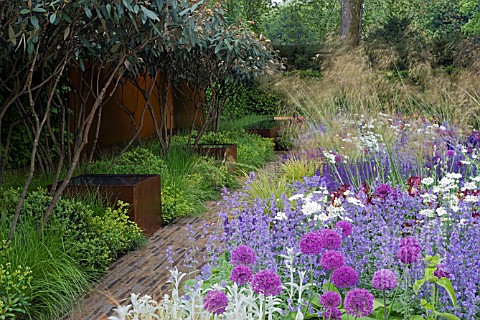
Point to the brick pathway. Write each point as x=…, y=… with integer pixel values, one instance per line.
x=145, y=270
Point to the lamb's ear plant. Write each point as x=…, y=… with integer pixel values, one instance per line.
x=431, y=305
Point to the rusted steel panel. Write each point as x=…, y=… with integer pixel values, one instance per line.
x=224, y=152
x=142, y=192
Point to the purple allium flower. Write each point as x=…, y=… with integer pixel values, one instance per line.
x=310, y=243
x=332, y=314
x=450, y=153
x=344, y=277
x=330, y=299
x=409, y=250
x=215, y=301
x=243, y=255
x=241, y=275
x=345, y=227
x=332, y=259
x=359, y=303
x=330, y=239
x=441, y=272
x=384, y=190
x=267, y=282
x=384, y=279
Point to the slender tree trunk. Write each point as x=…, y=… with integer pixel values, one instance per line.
x=351, y=22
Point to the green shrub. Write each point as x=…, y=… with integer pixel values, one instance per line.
x=253, y=151
x=252, y=99
x=214, y=176
x=15, y=287
x=174, y=204
x=96, y=240
x=285, y=139
x=138, y=161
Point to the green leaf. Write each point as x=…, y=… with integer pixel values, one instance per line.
x=12, y=36
x=330, y=287
x=24, y=11
x=66, y=33
x=115, y=47
x=88, y=12
x=427, y=305
x=449, y=316
x=53, y=17
x=30, y=48
x=39, y=10
x=34, y=22
x=150, y=14
x=377, y=304
x=417, y=317
x=447, y=285
x=418, y=284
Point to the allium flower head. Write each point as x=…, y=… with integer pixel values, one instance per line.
x=344, y=277
x=243, y=255
x=267, y=282
x=384, y=279
x=310, y=243
x=359, y=303
x=332, y=259
x=409, y=250
x=332, y=314
x=384, y=190
x=330, y=239
x=241, y=275
x=330, y=299
x=215, y=302
x=344, y=227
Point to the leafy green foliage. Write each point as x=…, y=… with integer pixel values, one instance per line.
x=96, y=240
x=471, y=8
x=252, y=99
x=15, y=285
x=252, y=150
x=174, y=204
x=136, y=161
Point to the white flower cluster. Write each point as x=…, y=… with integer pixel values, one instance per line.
x=445, y=194
x=317, y=206
x=243, y=303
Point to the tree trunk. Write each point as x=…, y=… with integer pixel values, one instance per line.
x=351, y=22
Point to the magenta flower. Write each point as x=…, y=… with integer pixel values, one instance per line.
x=243, y=255
x=310, y=243
x=330, y=239
x=215, y=302
x=241, y=275
x=345, y=227
x=359, y=303
x=384, y=190
x=344, y=277
x=384, y=279
x=332, y=314
x=330, y=299
x=332, y=259
x=267, y=283
x=409, y=250
x=441, y=272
